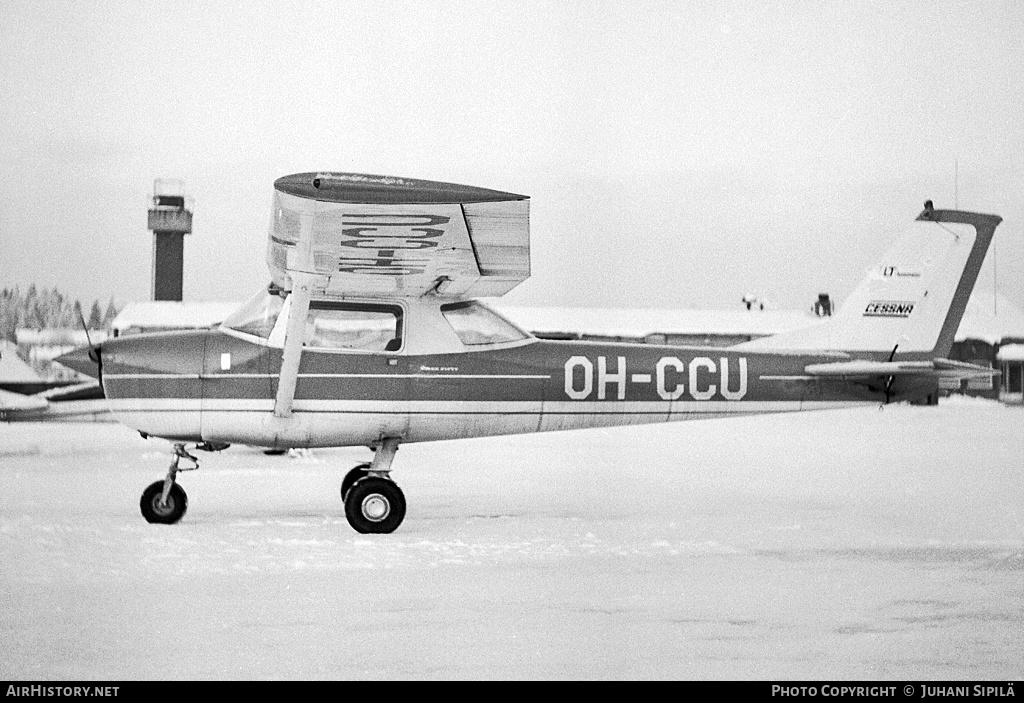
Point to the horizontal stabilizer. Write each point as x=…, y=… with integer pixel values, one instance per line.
x=936, y=368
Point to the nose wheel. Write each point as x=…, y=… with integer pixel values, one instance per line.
x=163, y=511
x=165, y=502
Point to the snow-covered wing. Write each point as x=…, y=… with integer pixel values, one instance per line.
x=12, y=368
x=382, y=236
x=16, y=401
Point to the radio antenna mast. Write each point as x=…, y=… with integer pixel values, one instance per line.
x=995, y=280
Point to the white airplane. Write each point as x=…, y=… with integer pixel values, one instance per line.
x=24, y=396
x=369, y=335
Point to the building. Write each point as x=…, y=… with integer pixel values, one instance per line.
x=1011, y=363
x=991, y=322
x=170, y=219
x=714, y=328
x=166, y=315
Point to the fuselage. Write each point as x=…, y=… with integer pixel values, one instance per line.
x=364, y=337
x=219, y=386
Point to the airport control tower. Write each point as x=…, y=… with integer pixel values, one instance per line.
x=170, y=219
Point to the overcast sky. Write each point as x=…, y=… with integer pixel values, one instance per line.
x=677, y=154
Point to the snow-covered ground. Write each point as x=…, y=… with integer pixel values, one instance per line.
x=868, y=543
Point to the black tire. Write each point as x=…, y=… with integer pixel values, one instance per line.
x=375, y=506
x=177, y=504
x=358, y=472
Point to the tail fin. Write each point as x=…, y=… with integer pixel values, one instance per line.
x=910, y=305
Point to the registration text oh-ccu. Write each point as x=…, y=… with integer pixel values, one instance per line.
x=703, y=378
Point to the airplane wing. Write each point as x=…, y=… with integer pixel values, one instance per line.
x=361, y=235
x=936, y=368
x=16, y=402
x=88, y=390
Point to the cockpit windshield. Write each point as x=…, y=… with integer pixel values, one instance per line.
x=257, y=315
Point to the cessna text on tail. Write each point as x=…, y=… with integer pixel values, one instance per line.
x=369, y=335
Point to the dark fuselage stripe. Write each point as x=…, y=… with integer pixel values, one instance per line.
x=214, y=376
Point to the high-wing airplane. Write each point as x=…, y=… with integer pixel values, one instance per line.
x=24, y=396
x=370, y=335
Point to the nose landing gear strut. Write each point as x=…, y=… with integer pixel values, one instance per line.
x=165, y=502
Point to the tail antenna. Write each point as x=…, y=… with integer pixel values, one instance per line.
x=888, y=382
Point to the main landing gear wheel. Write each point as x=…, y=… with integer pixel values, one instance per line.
x=358, y=472
x=375, y=505
x=154, y=509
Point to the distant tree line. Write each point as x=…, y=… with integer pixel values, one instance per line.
x=48, y=309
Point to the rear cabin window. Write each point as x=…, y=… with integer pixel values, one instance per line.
x=346, y=326
x=477, y=324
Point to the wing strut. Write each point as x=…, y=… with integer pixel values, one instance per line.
x=295, y=335
x=300, y=259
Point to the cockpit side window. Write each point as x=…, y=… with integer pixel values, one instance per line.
x=476, y=324
x=352, y=326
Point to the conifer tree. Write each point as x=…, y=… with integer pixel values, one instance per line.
x=30, y=314
x=6, y=321
x=109, y=315
x=95, y=317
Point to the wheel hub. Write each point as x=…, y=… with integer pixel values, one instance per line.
x=376, y=507
x=162, y=508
